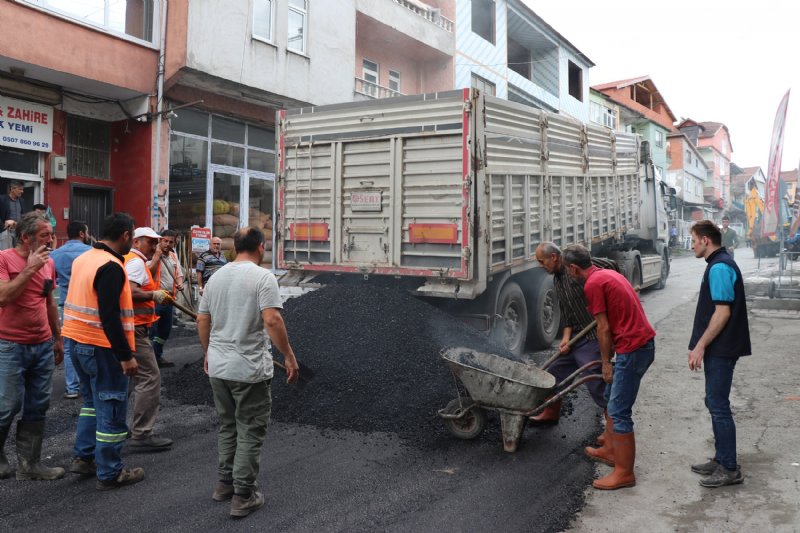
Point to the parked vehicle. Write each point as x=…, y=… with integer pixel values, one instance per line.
x=455, y=190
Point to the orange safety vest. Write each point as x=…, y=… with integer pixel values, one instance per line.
x=144, y=313
x=81, y=311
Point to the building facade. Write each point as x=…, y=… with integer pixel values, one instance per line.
x=641, y=109
x=267, y=55
x=403, y=47
x=687, y=173
x=714, y=143
x=77, y=94
x=505, y=49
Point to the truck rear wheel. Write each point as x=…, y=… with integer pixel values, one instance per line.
x=511, y=319
x=544, y=313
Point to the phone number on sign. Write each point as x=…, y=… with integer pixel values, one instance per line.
x=26, y=142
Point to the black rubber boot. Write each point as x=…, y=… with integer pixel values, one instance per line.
x=5, y=469
x=29, y=451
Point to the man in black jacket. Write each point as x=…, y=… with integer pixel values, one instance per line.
x=11, y=209
x=721, y=335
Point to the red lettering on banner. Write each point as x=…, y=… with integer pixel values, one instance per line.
x=26, y=115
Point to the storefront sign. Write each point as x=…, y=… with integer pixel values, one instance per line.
x=201, y=239
x=26, y=125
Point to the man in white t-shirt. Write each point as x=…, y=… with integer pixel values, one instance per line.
x=147, y=381
x=239, y=314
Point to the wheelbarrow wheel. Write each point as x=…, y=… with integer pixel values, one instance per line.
x=468, y=426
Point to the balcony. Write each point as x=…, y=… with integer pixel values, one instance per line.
x=429, y=14
x=398, y=23
x=373, y=90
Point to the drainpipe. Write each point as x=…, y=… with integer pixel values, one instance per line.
x=157, y=180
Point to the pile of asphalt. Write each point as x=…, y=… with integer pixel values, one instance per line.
x=374, y=351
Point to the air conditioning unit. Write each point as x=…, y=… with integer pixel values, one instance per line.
x=58, y=168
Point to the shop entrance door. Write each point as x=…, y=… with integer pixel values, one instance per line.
x=91, y=205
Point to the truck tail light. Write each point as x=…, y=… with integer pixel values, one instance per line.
x=433, y=233
x=315, y=231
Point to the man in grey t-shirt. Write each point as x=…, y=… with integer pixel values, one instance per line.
x=239, y=313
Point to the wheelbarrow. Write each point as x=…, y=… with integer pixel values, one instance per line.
x=516, y=390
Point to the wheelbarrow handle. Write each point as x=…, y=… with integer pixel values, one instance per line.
x=574, y=340
x=581, y=370
x=553, y=399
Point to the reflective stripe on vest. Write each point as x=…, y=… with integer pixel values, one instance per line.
x=144, y=313
x=81, y=311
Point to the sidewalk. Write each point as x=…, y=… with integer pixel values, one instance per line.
x=673, y=430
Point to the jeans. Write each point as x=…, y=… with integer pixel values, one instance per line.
x=159, y=332
x=581, y=354
x=719, y=377
x=101, y=424
x=70, y=376
x=244, y=410
x=628, y=371
x=26, y=380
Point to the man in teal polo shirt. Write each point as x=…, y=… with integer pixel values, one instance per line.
x=721, y=335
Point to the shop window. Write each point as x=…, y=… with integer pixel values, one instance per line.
x=88, y=148
x=260, y=161
x=227, y=130
x=260, y=213
x=228, y=155
x=298, y=22
x=483, y=19
x=190, y=121
x=262, y=19
x=187, y=182
x=261, y=138
x=243, y=151
x=17, y=160
x=226, y=209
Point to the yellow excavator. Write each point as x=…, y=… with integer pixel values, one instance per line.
x=754, y=210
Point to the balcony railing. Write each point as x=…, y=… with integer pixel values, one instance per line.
x=429, y=14
x=373, y=90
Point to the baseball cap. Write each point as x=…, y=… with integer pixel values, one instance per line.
x=145, y=232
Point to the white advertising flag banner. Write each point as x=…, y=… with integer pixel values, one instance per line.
x=26, y=125
x=772, y=208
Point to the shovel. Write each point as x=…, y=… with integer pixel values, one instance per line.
x=581, y=334
x=306, y=374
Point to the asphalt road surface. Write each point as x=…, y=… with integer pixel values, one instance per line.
x=318, y=479
x=322, y=479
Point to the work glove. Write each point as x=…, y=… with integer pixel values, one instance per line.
x=162, y=296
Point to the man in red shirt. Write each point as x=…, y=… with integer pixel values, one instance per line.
x=622, y=327
x=30, y=344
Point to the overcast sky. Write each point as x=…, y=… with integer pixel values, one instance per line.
x=712, y=60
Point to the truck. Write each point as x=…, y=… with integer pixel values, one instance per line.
x=450, y=193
